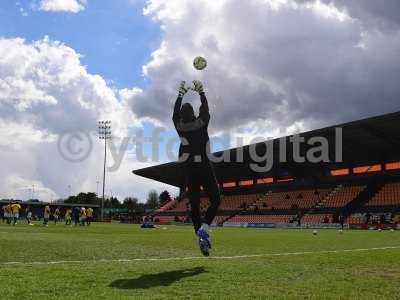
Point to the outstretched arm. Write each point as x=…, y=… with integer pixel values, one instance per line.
x=177, y=109
x=178, y=102
x=204, y=103
x=204, y=113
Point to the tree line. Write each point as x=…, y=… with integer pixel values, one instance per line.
x=153, y=201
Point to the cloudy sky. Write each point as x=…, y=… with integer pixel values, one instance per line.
x=274, y=67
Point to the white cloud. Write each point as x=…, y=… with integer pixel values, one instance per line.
x=26, y=188
x=45, y=92
x=328, y=10
x=73, y=6
x=45, y=83
x=290, y=62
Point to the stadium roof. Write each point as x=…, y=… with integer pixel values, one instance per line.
x=366, y=141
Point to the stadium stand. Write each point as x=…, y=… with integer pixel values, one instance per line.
x=263, y=218
x=167, y=206
x=356, y=218
x=180, y=206
x=164, y=219
x=295, y=199
x=365, y=182
x=236, y=202
x=219, y=220
x=230, y=203
x=319, y=207
x=389, y=195
x=317, y=219
x=309, y=203
x=342, y=195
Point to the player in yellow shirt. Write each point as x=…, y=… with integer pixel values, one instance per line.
x=46, y=215
x=5, y=213
x=68, y=217
x=9, y=214
x=82, y=216
x=15, y=207
x=89, y=215
x=56, y=215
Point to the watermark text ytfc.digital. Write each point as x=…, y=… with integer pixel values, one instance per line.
x=260, y=153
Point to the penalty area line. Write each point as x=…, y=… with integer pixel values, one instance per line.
x=13, y=263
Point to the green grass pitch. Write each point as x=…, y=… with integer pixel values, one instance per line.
x=113, y=261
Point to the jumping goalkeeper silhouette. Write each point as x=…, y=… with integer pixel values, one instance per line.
x=198, y=170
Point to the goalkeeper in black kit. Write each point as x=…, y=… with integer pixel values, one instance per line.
x=194, y=159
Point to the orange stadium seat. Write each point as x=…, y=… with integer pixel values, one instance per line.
x=389, y=195
x=343, y=196
x=262, y=218
x=356, y=219
x=234, y=202
x=167, y=206
x=316, y=219
x=164, y=219
x=219, y=219
x=292, y=199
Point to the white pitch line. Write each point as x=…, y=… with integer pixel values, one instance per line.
x=195, y=257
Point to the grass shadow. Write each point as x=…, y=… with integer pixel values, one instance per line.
x=154, y=280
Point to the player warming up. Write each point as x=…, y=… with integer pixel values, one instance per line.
x=198, y=170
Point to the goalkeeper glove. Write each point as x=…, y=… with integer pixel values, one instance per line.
x=198, y=86
x=182, y=89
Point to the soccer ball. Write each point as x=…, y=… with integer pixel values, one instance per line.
x=199, y=63
x=315, y=232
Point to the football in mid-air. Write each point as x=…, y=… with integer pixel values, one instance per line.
x=199, y=63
